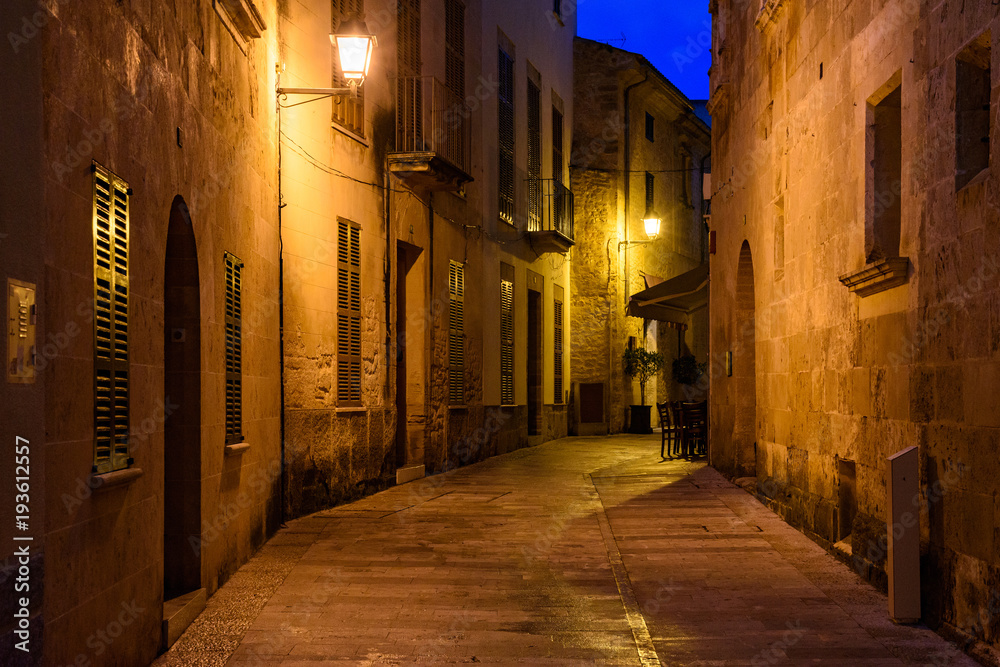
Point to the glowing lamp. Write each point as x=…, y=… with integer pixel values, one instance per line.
x=355, y=45
x=652, y=223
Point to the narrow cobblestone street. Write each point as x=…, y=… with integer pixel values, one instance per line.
x=580, y=551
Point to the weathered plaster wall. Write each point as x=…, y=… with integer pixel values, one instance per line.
x=840, y=377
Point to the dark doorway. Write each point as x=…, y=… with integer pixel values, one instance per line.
x=182, y=396
x=745, y=367
x=534, y=362
x=401, y=377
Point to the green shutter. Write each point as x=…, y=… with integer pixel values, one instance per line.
x=456, y=333
x=506, y=342
x=348, y=313
x=234, y=349
x=111, y=315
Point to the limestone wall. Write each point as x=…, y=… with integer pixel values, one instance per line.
x=824, y=379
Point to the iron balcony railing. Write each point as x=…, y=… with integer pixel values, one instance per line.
x=550, y=207
x=431, y=118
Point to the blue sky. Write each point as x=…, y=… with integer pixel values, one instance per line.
x=675, y=35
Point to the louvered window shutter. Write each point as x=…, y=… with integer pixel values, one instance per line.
x=409, y=88
x=534, y=157
x=506, y=342
x=456, y=333
x=234, y=349
x=348, y=313
x=111, y=315
x=454, y=44
x=557, y=346
x=557, y=145
x=505, y=135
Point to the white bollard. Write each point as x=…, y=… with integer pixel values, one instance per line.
x=903, y=562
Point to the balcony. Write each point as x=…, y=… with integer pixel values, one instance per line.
x=550, y=216
x=432, y=136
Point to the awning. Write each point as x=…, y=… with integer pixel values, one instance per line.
x=673, y=300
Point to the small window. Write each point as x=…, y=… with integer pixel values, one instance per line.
x=650, y=127
x=234, y=349
x=348, y=313
x=456, y=333
x=111, y=321
x=506, y=334
x=972, y=110
x=885, y=179
x=557, y=7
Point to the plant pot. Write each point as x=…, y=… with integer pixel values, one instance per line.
x=639, y=419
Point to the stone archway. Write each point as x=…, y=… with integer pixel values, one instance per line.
x=745, y=369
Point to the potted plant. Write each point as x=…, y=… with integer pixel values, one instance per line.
x=642, y=365
x=687, y=370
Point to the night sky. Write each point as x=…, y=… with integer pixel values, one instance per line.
x=675, y=35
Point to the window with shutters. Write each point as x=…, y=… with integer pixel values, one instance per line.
x=409, y=87
x=456, y=333
x=348, y=112
x=557, y=145
x=348, y=313
x=505, y=134
x=557, y=347
x=234, y=349
x=454, y=47
x=506, y=334
x=650, y=191
x=534, y=157
x=111, y=318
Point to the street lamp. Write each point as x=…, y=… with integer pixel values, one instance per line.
x=652, y=222
x=355, y=45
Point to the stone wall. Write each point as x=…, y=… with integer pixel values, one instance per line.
x=606, y=270
x=164, y=98
x=826, y=380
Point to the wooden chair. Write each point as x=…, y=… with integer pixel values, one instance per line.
x=694, y=427
x=670, y=430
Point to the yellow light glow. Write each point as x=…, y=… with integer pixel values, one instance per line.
x=355, y=46
x=652, y=223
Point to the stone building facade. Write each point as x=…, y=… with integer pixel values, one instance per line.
x=228, y=308
x=855, y=284
x=631, y=121
x=142, y=173
x=451, y=368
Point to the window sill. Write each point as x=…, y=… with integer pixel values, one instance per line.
x=350, y=134
x=460, y=408
x=558, y=17
x=107, y=480
x=350, y=409
x=878, y=276
x=237, y=449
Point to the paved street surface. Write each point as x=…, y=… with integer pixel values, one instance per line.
x=581, y=551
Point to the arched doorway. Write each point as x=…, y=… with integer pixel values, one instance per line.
x=182, y=395
x=745, y=368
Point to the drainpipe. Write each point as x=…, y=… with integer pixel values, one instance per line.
x=281, y=320
x=628, y=175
